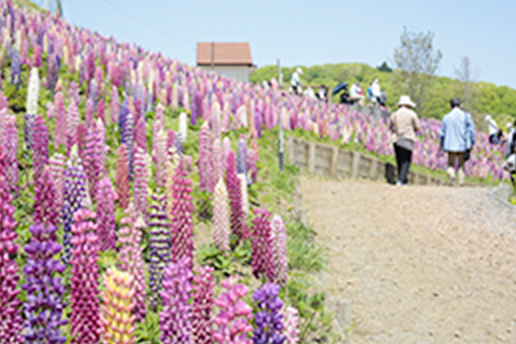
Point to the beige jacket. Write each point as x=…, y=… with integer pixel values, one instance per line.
x=404, y=123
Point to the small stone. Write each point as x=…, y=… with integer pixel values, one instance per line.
x=436, y=293
x=456, y=334
x=431, y=332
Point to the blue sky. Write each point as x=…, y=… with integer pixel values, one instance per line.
x=314, y=32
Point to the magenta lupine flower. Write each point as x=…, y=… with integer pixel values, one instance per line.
x=101, y=111
x=73, y=119
x=140, y=135
x=221, y=217
x=262, y=255
x=56, y=166
x=182, y=244
x=106, y=214
x=74, y=92
x=176, y=316
x=160, y=158
x=204, y=158
x=122, y=178
x=131, y=256
x=279, y=250
x=46, y=208
x=40, y=140
x=84, y=294
x=140, y=182
x=238, y=225
x=44, y=306
x=234, y=317
x=159, y=245
x=60, y=136
x=291, y=325
x=94, y=157
x=3, y=116
x=10, y=317
x=10, y=146
x=114, y=105
x=268, y=320
x=202, y=306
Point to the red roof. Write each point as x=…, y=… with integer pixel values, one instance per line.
x=224, y=54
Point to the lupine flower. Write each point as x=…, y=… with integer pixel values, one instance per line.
x=128, y=137
x=94, y=157
x=3, y=116
x=202, y=306
x=182, y=244
x=10, y=146
x=118, y=322
x=140, y=134
x=242, y=157
x=40, y=139
x=216, y=171
x=73, y=121
x=94, y=93
x=46, y=208
x=204, y=158
x=291, y=325
x=221, y=217
x=160, y=158
x=252, y=160
x=175, y=318
x=73, y=199
x=115, y=105
x=101, y=112
x=44, y=306
x=60, y=136
x=233, y=320
x=268, y=319
x=141, y=182
x=262, y=263
x=131, y=256
x=29, y=130
x=84, y=301
x=106, y=214
x=279, y=249
x=89, y=118
x=10, y=317
x=122, y=177
x=159, y=245
x=15, y=68
x=183, y=127
x=52, y=72
x=56, y=168
x=33, y=92
x=171, y=138
x=238, y=225
x=245, y=195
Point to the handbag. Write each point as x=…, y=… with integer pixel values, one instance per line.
x=467, y=154
x=405, y=143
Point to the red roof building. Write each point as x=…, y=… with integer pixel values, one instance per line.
x=229, y=59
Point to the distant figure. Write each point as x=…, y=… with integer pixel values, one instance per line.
x=356, y=94
x=457, y=139
x=295, y=82
x=322, y=93
x=370, y=93
x=309, y=93
x=494, y=132
x=403, y=125
x=376, y=91
x=510, y=157
x=274, y=84
x=383, y=98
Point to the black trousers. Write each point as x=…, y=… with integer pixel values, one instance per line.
x=403, y=159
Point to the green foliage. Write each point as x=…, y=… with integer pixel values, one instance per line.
x=303, y=253
x=148, y=332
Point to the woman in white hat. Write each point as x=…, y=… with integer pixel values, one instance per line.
x=403, y=125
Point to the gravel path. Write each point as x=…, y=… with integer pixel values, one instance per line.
x=420, y=264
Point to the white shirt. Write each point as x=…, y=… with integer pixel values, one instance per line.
x=376, y=89
x=493, y=127
x=295, y=79
x=354, y=91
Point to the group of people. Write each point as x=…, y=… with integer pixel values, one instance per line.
x=457, y=138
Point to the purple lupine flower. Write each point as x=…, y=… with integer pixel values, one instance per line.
x=268, y=319
x=40, y=140
x=89, y=118
x=131, y=256
x=159, y=245
x=10, y=146
x=242, y=157
x=114, y=105
x=128, y=137
x=106, y=214
x=233, y=320
x=29, y=130
x=74, y=197
x=46, y=208
x=182, y=244
x=202, y=306
x=238, y=225
x=52, y=72
x=94, y=157
x=279, y=249
x=160, y=158
x=56, y=167
x=84, y=294
x=262, y=255
x=44, y=306
x=61, y=131
x=140, y=182
x=10, y=317
x=94, y=93
x=140, y=135
x=90, y=65
x=221, y=217
x=15, y=68
x=175, y=318
x=204, y=158
x=291, y=325
x=122, y=177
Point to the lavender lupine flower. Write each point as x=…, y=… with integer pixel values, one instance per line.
x=140, y=182
x=10, y=146
x=74, y=92
x=61, y=131
x=52, y=72
x=268, y=319
x=29, y=130
x=182, y=244
x=159, y=245
x=238, y=225
x=89, y=118
x=233, y=320
x=122, y=177
x=44, y=306
x=33, y=92
x=114, y=105
x=128, y=137
x=46, y=208
x=74, y=197
x=175, y=318
x=291, y=325
x=84, y=298
x=160, y=158
x=10, y=317
x=202, y=306
x=56, y=167
x=94, y=93
x=15, y=68
x=131, y=256
x=118, y=322
x=106, y=214
x=204, y=158
x=279, y=249
x=221, y=217
x=40, y=139
x=140, y=135
x=262, y=255
x=242, y=157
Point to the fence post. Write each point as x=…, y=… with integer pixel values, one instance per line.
x=334, y=161
x=356, y=165
x=311, y=157
x=373, y=174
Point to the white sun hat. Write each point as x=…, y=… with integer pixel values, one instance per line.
x=405, y=100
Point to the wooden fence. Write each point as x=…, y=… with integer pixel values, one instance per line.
x=328, y=160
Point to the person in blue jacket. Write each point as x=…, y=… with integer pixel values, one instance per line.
x=457, y=138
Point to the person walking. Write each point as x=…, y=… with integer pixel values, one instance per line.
x=404, y=124
x=457, y=137
x=295, y=81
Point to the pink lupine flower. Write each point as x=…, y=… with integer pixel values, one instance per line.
x=221, y=217
x=40, y=150
x=238, y=225
x=279, y=249
x=202, y=306
x=204, y=158
x=262, y=255
x=141, y=182
x=105, y=198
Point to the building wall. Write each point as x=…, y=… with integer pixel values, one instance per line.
x=235, y=72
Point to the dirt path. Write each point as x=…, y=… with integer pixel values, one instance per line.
x=420, y=264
